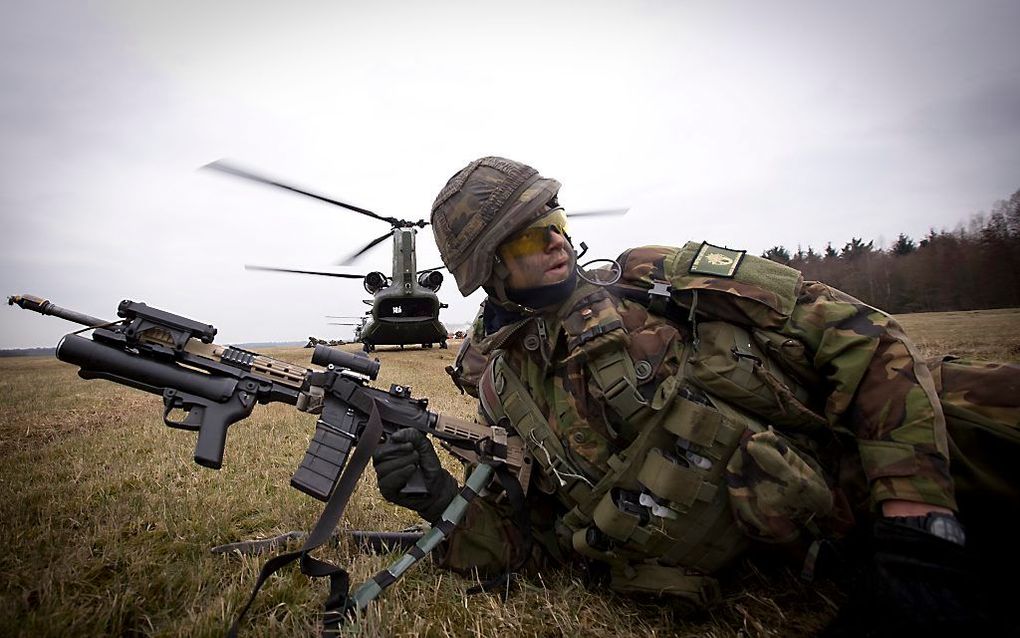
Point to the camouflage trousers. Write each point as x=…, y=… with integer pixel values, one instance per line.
x=981, y=401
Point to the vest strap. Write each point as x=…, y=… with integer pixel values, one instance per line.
x=516, y=405
x=613, y=373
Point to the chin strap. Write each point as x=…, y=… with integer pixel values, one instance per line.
x=497, y=290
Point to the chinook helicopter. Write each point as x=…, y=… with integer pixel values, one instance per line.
x=358, y=327
x=405, y=308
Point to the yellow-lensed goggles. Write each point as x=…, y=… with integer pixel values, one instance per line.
x=534, y=239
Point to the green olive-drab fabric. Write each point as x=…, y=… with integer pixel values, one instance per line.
x=804, y=358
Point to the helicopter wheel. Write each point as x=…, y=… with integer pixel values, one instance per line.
x=368, y=348
x=442, y=345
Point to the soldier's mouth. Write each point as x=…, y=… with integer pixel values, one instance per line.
x=559, y=265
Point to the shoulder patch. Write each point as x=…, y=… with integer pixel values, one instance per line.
x=716, y=261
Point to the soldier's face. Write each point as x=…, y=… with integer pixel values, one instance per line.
x=548, y=262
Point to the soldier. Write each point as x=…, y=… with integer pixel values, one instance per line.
x=680, y=406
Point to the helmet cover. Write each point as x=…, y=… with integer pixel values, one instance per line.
x=483, y=204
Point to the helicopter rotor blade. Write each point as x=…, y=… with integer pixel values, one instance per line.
x=599, y=213
x=378, y=240
x=305, y=272
x=231, y=169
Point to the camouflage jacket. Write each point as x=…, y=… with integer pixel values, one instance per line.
x=880, y=431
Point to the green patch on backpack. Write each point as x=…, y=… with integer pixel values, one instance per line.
x=716, y=261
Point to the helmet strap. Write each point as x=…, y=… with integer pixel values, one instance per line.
x=497, y=290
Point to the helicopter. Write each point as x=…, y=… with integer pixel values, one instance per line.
x=405, y=307
x=358, y=327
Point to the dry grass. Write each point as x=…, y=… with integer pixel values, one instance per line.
x=978, y=334
x=107, y=523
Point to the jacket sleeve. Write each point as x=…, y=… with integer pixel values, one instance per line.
x=488, y=541
x=881, y=390
x=485, y=540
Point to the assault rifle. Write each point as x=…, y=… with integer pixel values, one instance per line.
x=216, y=386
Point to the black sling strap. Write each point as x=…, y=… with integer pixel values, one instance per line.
x=323, y=531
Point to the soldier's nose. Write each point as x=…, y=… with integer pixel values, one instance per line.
x=556, y=241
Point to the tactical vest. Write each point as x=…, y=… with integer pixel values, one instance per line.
x=645, y=485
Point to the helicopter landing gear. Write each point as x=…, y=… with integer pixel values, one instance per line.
x=442, y=345
x=368, y=348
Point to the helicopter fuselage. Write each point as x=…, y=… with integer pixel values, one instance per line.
x=404, y=312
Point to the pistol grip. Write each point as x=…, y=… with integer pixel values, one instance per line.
x=212, y=439
x=210, y=418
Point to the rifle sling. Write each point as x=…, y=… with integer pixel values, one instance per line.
x=322, y=532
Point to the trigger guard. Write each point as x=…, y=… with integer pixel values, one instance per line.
x=173, y=399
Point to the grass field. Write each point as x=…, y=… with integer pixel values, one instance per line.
x=107, y=523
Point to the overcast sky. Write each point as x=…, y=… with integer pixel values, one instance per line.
x=747, y=124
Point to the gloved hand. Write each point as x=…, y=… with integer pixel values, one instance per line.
x=913, y=584
x=398, y=458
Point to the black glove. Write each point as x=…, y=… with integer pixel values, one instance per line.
x=913, y=584
x=398, y=458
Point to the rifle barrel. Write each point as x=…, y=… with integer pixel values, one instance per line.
x=44, y=307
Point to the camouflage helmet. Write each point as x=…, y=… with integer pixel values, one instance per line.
x=482, y=205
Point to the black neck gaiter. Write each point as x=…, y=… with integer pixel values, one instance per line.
x=495, y=316
x=541, y=297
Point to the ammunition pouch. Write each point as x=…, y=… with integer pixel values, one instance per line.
x=699, y=592
x=776, y=491
x=731, y=363
x=663, y=498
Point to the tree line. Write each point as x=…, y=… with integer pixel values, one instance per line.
x=975, y=266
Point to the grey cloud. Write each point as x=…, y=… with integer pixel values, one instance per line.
x=987, y=117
